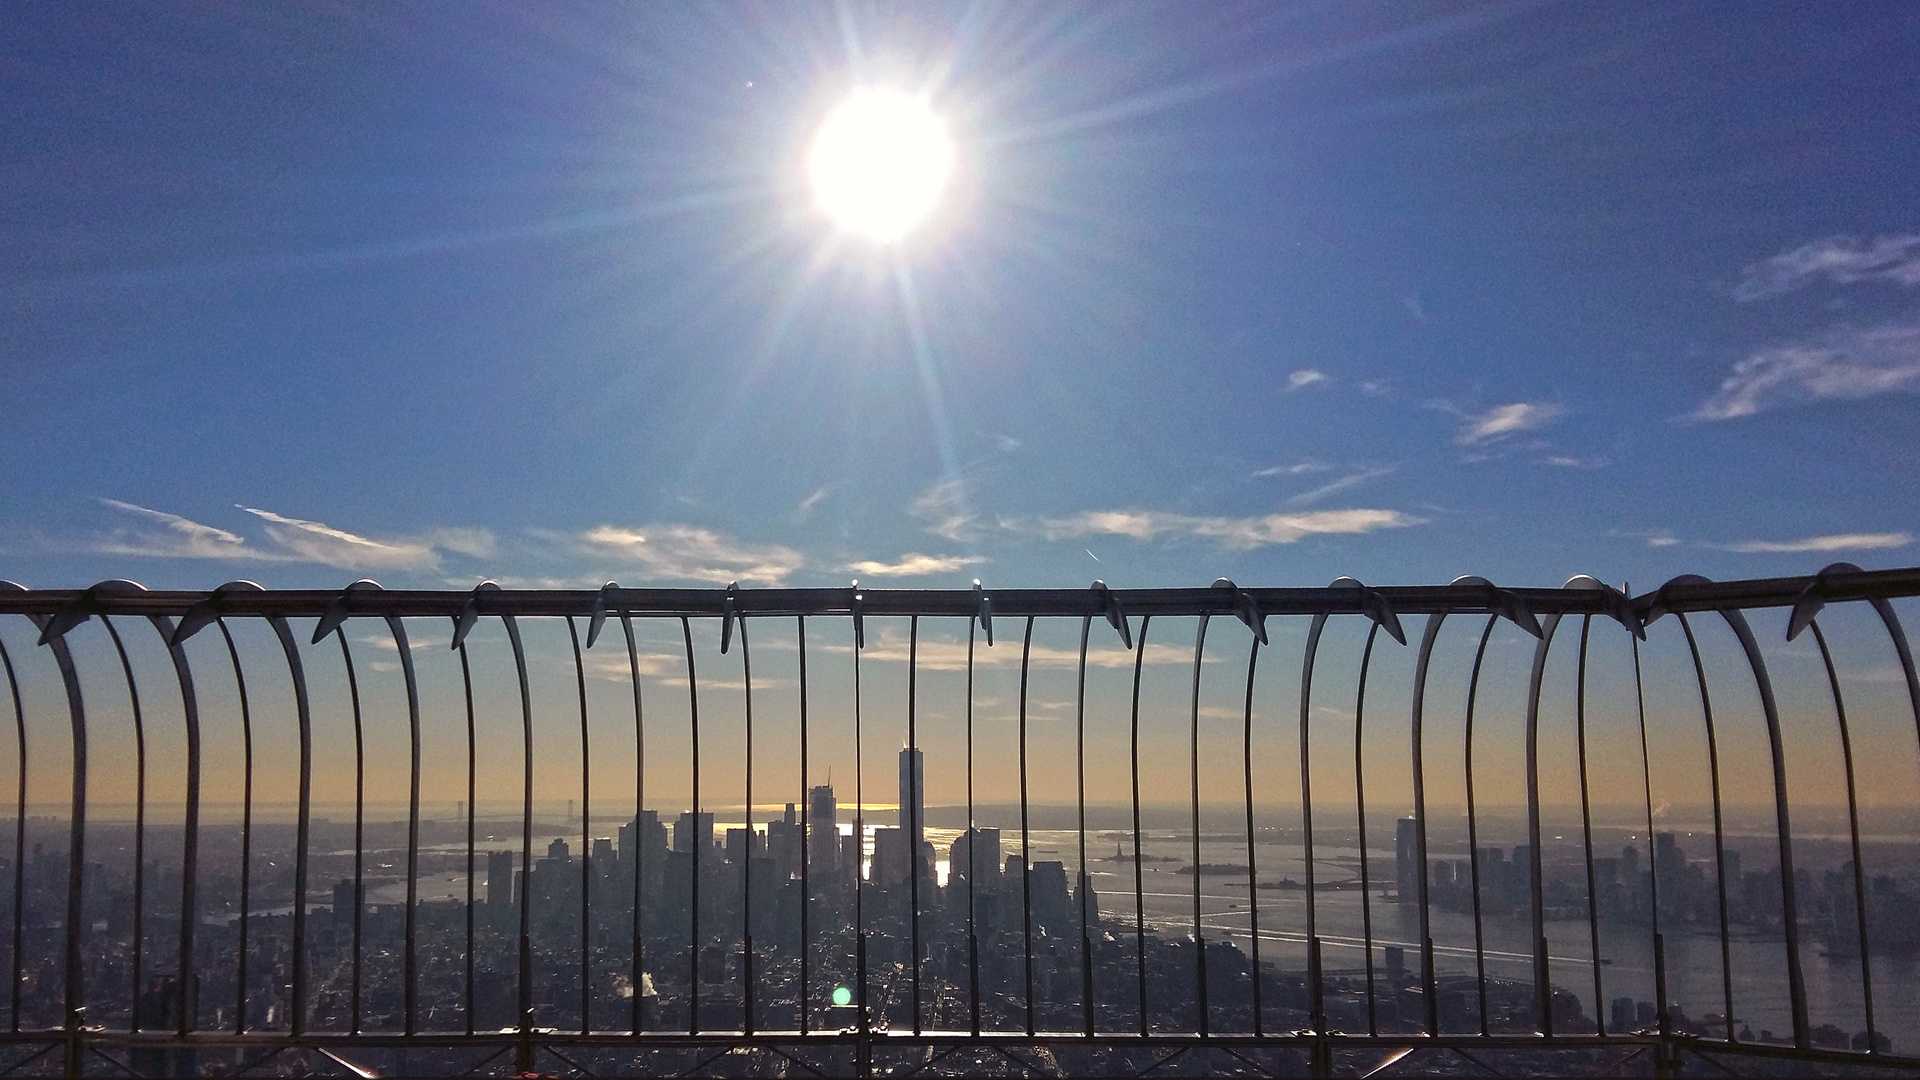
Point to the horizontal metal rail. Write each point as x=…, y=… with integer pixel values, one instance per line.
x=1015, y=966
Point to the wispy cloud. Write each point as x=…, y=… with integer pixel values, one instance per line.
x=950, y=654
x=946, y=508
x=1848, y=364
x=914, y=564
x=1838, y=259
x=691, y=553
x=1298, y=469
x=176, y=538
x=1306, y=377
x=291, y=540
x=805, y=510
x=319, y=542
x=1569, y=461
x=1653, y=537
x=1503, y=420
x=1351, y=480
x=1234, y=533
x=1837, y=542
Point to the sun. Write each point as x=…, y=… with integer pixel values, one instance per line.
x=880, y=163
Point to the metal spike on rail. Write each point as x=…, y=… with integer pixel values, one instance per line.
x=726, y=617
x=1374, y=606
x=469, y=615
x=1813, y=598
x=983, y=609
x=859, y=622
x=1657, y=608
x=1245, y=608
x=1106, y=601
x=597, y=619
x=1504, y=603
x=339, y=608
x=1620, y=608
x=206, y=612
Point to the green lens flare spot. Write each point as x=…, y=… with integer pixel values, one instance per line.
x=842, y=996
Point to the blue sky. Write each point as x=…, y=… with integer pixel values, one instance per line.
x=429, y=294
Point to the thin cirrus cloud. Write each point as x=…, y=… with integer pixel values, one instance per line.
x=1841, y=260
x=946, y=510
x=1837, y=542
x=171, y=536
x=914, y=564
x=1504, y=420
x=1306, y=377
x=691, y=553
x=1846, y=365
x=1238, y=534
x=1350, y=480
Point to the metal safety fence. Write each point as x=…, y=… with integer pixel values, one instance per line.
x=201, y=935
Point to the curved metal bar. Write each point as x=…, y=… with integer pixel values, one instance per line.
x=1360, y=806
x=359, y=825
x=912, y=813
x=696, y=842
x=466, y=686
x=1853, y=834
x=186, y=978
x=524, y=976
x=641, y=843
x=76, y=1001
x=1026, y=850
x=1719, y=830
x=20, y=837
x=1253, y=886
x=1316, y=1002
x=806, y=834
x=586, y=835
x=246, y=830
x=859, y=828
x=1662, y=1018
x=1542, y=986
x=1790, y=907
x=139, y=817
x=1199, y=939
x=1080, y=801
x=1428, y=635
x=1473, y=829
x=973, y=861
x=746, y=861
x=410, y=965
x=1586, y=826
x=303, y=827
x=1139, y=880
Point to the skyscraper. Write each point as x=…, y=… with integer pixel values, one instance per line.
x=823, y=823
x=691, y=832
x=1406, y=850
x=913, y=798
x=499, y=884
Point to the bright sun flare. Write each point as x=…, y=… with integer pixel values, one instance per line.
x=880, y=163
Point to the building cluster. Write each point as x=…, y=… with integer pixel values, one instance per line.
x=1628, y=888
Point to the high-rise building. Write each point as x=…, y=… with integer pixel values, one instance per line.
x=691, y=833
x=1406, y=851
x=499, y=883
x=823, y=822
x=890, y=865
x=975, y=855
x=913, y=798
x=643, y=832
